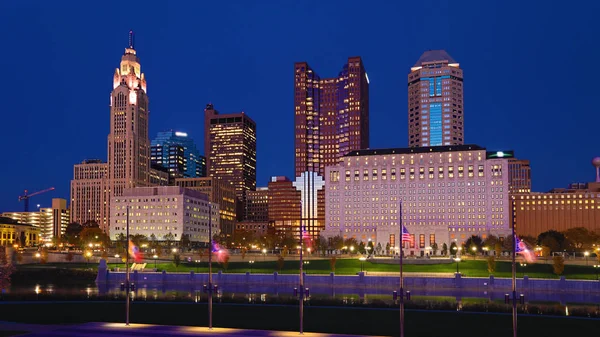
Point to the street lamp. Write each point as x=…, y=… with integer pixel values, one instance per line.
x=251, y=263
x=523, y=265
x=117, y=256
x=474, y=249
x=362, y=263
x=174, y=250
x=351, y=249
x=264, y=251
x=155, y=257
x=306, y=263
x=88, y=254
x=457, y=260
x=586, y=254
x=596, y=268
x=38, y=255
x=485, y=249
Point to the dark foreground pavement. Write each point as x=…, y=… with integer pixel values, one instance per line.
x=133, y=330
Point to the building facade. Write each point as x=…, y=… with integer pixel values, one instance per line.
x=284, y=205
x=128, y=140
x=218, y=192
x=164, y=213
x=51, y=222
x=178, y=153
x=519, y=172
x=257, y=205
x=331, y=115
x=560, y=209
x=89, y=193
x=230, y=149
x=448, y=193
x=435, y=101
x=14, y=233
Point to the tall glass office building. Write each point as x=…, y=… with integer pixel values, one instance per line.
x=177, y=153
x=435, y=101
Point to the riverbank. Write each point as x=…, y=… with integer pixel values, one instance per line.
x=363, y=321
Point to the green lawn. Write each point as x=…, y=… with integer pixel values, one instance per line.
x=469, y=268
x=381, y=322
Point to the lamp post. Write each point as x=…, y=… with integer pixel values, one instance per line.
x=88, y=254
x=362, y=263
x=586, y=254
x=474, y=249
x=351, y=249
x=596, y=268
x=486, y=249
x=251, y=263
x=523, y=265
x=117, y=256
x=155, y=257
x=264, y=251
x=457, y=260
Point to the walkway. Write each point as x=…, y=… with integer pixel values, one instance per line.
x=133, y=330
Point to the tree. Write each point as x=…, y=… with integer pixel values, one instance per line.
x=529, y=240
x=43, y=256
x=361, y=247
x=176, y=260
x=153, y=242
x=332, y=262
x=453, y=248
x=185, y=240
x=491, y=264
x=350, y=242
x=580, y=237
x=498, y=248
x=434, y=248
x=122, y=243
x=90, y=224
x=337, y=242
x=92, y=235
x=169, y=237
x=72, y=233
x=321, y=244
x=289, y=241
x=280, y=262
x=557, y=236
x=6, y=269
x=370, y=248
x=507, y=244
x=490, y=241
x=387, y=248
x=444, y=249
x=558, y=264
x=550, y=243
x=138, y=239
x=474, y=241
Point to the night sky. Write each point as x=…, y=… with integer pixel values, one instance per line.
x=531, y=76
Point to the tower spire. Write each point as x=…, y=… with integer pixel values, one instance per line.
x=131, y=41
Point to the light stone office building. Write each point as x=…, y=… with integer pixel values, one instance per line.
x=161, y=211
x=448, y=193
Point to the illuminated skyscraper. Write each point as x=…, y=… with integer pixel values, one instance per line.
x=435, y=101
x=230, y=149
x=331, y=115
x=177, y=152
x=128, y=142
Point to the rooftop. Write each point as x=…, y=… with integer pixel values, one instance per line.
x=433, y=56
x=412, y=150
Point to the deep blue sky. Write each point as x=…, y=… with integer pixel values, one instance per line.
x=530, y=68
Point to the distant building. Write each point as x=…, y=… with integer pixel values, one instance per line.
x=177, y=152
x=435, y=101
x=89, y=193
x=519, y=178
x=230, y=149
x=161, y=211
x=257, y=205
x=159, y=176
x=257, y=228
x=219, y=192
x=12, y=232
x=560, y=209
x=331, y=115
x=284, y=205
x=448, y=193
x=51, y=222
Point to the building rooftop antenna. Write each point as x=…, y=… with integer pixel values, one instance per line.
x=131, y=40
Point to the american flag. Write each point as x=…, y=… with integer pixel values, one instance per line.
x=406, y=235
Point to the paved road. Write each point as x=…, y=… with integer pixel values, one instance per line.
x=119, y=329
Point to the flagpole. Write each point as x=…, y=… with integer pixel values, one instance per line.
x=514, y=272
x=127, y=286
x=210, y=251
x=401, y=275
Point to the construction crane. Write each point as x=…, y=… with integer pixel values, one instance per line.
x=25, y=197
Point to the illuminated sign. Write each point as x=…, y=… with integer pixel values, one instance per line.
x=180, y=134
x=500, y=154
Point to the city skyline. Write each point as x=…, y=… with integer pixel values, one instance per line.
x=499, y=111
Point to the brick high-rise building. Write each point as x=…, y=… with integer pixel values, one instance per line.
x=89, y=193
x=128, y=142
x=284, y=205
x=230, y=150
x=435, y=101
x=331, y=115
x=257, y=205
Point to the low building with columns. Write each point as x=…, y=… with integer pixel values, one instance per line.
x=448, y=193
